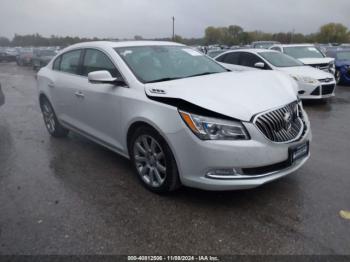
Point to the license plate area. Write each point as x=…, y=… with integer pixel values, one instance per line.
x=298, y=152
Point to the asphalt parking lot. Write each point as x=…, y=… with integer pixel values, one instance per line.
x=71, y=196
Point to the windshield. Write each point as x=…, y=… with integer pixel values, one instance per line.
x=344, y=55
x=303, y=52
x=164, y=63
x=280, y=60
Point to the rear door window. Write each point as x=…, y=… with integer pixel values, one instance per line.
x=70, y=62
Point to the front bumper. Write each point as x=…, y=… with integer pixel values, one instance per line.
x=318, y=90
x=196, y=157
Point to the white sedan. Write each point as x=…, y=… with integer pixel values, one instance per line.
x=313, y=83
x=179, y=116
x=308, y=54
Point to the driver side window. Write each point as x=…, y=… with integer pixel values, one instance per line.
x=249, y=60
x=95, y=60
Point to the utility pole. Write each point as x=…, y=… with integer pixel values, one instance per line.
x=173, y=18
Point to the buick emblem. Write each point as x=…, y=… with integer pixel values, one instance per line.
x=287, y=121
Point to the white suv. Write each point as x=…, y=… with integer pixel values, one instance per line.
x=178, y=115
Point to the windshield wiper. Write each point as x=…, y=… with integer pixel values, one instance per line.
x=203, y=74
x=163, y=79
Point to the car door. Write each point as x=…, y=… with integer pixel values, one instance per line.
x=64, y=88
x=101, y=106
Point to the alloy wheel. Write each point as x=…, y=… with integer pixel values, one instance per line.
x=49, y=117
x=150, y=160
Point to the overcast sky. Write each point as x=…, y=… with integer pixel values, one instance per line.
x=152, y=18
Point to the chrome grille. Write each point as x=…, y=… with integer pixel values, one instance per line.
x=281, y=125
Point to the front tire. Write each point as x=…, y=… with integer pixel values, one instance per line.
x=54, y=128
x=153, y=160
x=338, y=77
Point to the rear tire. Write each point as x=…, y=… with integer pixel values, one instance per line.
x=54, y=128
x=153, y=161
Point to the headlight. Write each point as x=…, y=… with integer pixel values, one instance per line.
x=207, y=128
x=305, y=79
x=331, y=65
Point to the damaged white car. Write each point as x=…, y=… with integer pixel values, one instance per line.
x=181, y=118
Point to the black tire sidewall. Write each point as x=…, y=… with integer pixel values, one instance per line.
x=172, y=181
x=338, y=82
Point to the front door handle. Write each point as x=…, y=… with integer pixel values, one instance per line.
x=50, y=84
x=79, y=94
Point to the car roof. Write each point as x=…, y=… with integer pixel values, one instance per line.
x=251, y=50
x=111, y=44
x=294, y=45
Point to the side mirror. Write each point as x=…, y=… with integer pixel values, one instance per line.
x=260, y=65
x=104, y=77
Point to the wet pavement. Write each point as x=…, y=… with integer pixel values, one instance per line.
x=71, y=196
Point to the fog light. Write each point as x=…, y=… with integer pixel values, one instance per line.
x=223, y=173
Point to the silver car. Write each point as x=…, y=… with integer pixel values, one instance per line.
x=179, y=116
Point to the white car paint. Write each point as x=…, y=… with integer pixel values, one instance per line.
x=298, y=72
x=105, y=113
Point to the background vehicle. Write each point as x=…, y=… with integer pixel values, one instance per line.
x=6, y=57
x=41, y=57
x=313, y=83
x=264, y=44
x=24, y=57
x=179, y=116
x=2, y=97
x=342, y=64
x=309, y=55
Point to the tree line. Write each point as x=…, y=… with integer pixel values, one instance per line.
x=231, y=35
x=235, y=35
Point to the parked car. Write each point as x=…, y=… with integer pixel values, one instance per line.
x=6, y=57
x=179, y=116
x=313, y=83
x=41, y=57
x=342, y=65
x=264, y=44
x=24, y=57
x=309, y=55
x=2, y=97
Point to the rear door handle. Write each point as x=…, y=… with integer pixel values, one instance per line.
x=79, y=94
x=50, y=84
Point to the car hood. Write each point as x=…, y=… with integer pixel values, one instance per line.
x=306, y=71
x=315, y=61
x=240, y=95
